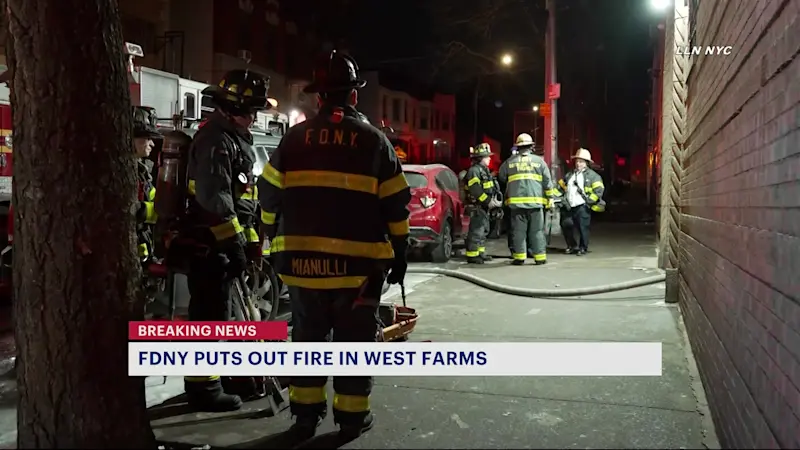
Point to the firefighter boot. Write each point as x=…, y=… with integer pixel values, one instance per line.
x=207, y=395
x=349, y=432
x=475, y=260
x=305, y=427
x=485, y=257
x=246, y=388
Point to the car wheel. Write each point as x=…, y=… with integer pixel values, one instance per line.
x=270, y=293
x=443, y=250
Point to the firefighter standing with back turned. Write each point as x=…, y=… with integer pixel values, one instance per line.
x=528, y=192
x=481, y=190
x=342, y=198
x=222, y=213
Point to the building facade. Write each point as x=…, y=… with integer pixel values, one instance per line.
x=428, y=123
x=732, y=210
x=202, y=39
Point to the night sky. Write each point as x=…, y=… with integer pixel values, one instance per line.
x=604, y=53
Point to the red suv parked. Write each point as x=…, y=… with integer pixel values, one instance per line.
x=437, y=209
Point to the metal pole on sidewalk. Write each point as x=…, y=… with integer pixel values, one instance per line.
x=552, y=79
x=551, y=122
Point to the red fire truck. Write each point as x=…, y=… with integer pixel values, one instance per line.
x=166, y=92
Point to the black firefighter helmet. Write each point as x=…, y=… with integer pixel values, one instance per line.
x=482, y=150
x=240, y=92
x=335, y=72
x=144, y=123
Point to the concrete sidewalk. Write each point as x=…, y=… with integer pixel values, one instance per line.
x=517, y=412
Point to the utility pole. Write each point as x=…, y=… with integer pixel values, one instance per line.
x=551, y=122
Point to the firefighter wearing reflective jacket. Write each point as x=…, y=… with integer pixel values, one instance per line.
x=529, y=191
x=144, y=132
x=221, y=209
x=341, y=197
x=581, y=190
x=481, y=190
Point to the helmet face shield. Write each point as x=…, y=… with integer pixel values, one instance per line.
x=480, y=151
x=334, y=72
x=241, y=93
x=145, y=122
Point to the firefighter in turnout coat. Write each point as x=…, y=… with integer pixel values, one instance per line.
x=481, y=190
x=338, y=191
x=221, y=211
x=144, y=133
x=582, y=191
x=528, y=192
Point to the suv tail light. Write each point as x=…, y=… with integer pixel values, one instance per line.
x=428, y=200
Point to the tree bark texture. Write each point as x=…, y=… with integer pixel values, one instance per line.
x=75, y=269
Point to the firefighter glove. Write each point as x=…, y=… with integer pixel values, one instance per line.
x=495, y=203
x=254, y=252
x=397, y=272
x=237, y=259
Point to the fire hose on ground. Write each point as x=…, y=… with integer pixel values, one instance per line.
x=539, y=293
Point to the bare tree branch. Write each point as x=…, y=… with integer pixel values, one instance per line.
x=474, y=35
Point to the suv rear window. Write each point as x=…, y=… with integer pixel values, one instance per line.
x=416, y=180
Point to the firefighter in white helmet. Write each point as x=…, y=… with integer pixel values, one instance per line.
x=582, y=189
x=529, y=191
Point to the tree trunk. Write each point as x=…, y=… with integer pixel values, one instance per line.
x=75, y=270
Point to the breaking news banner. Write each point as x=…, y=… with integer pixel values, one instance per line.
x=207, y=331
x=451, y=359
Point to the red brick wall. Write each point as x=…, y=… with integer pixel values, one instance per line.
x=740, y=221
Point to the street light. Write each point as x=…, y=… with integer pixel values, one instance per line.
x=535, y=108
x=660, y=5
x=507, y=60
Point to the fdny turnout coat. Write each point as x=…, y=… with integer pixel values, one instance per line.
x=146, y=213
x=221, y=192
x=593, y=189
x=334, y=196
x=480, y=185
x=527, y=180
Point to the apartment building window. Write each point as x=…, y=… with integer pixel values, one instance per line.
x=396, y=109
x=445, y=122
x=424, y=116
x=385, y=107
x=435, y=120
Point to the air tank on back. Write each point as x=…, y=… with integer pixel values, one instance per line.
x=171, y=183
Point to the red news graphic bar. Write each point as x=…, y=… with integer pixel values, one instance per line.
x=207, y=331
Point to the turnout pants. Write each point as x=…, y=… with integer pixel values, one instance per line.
x=352, y=315
x=479, y=225
x=577, y=219
x=527, y=232
x=210, y=292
